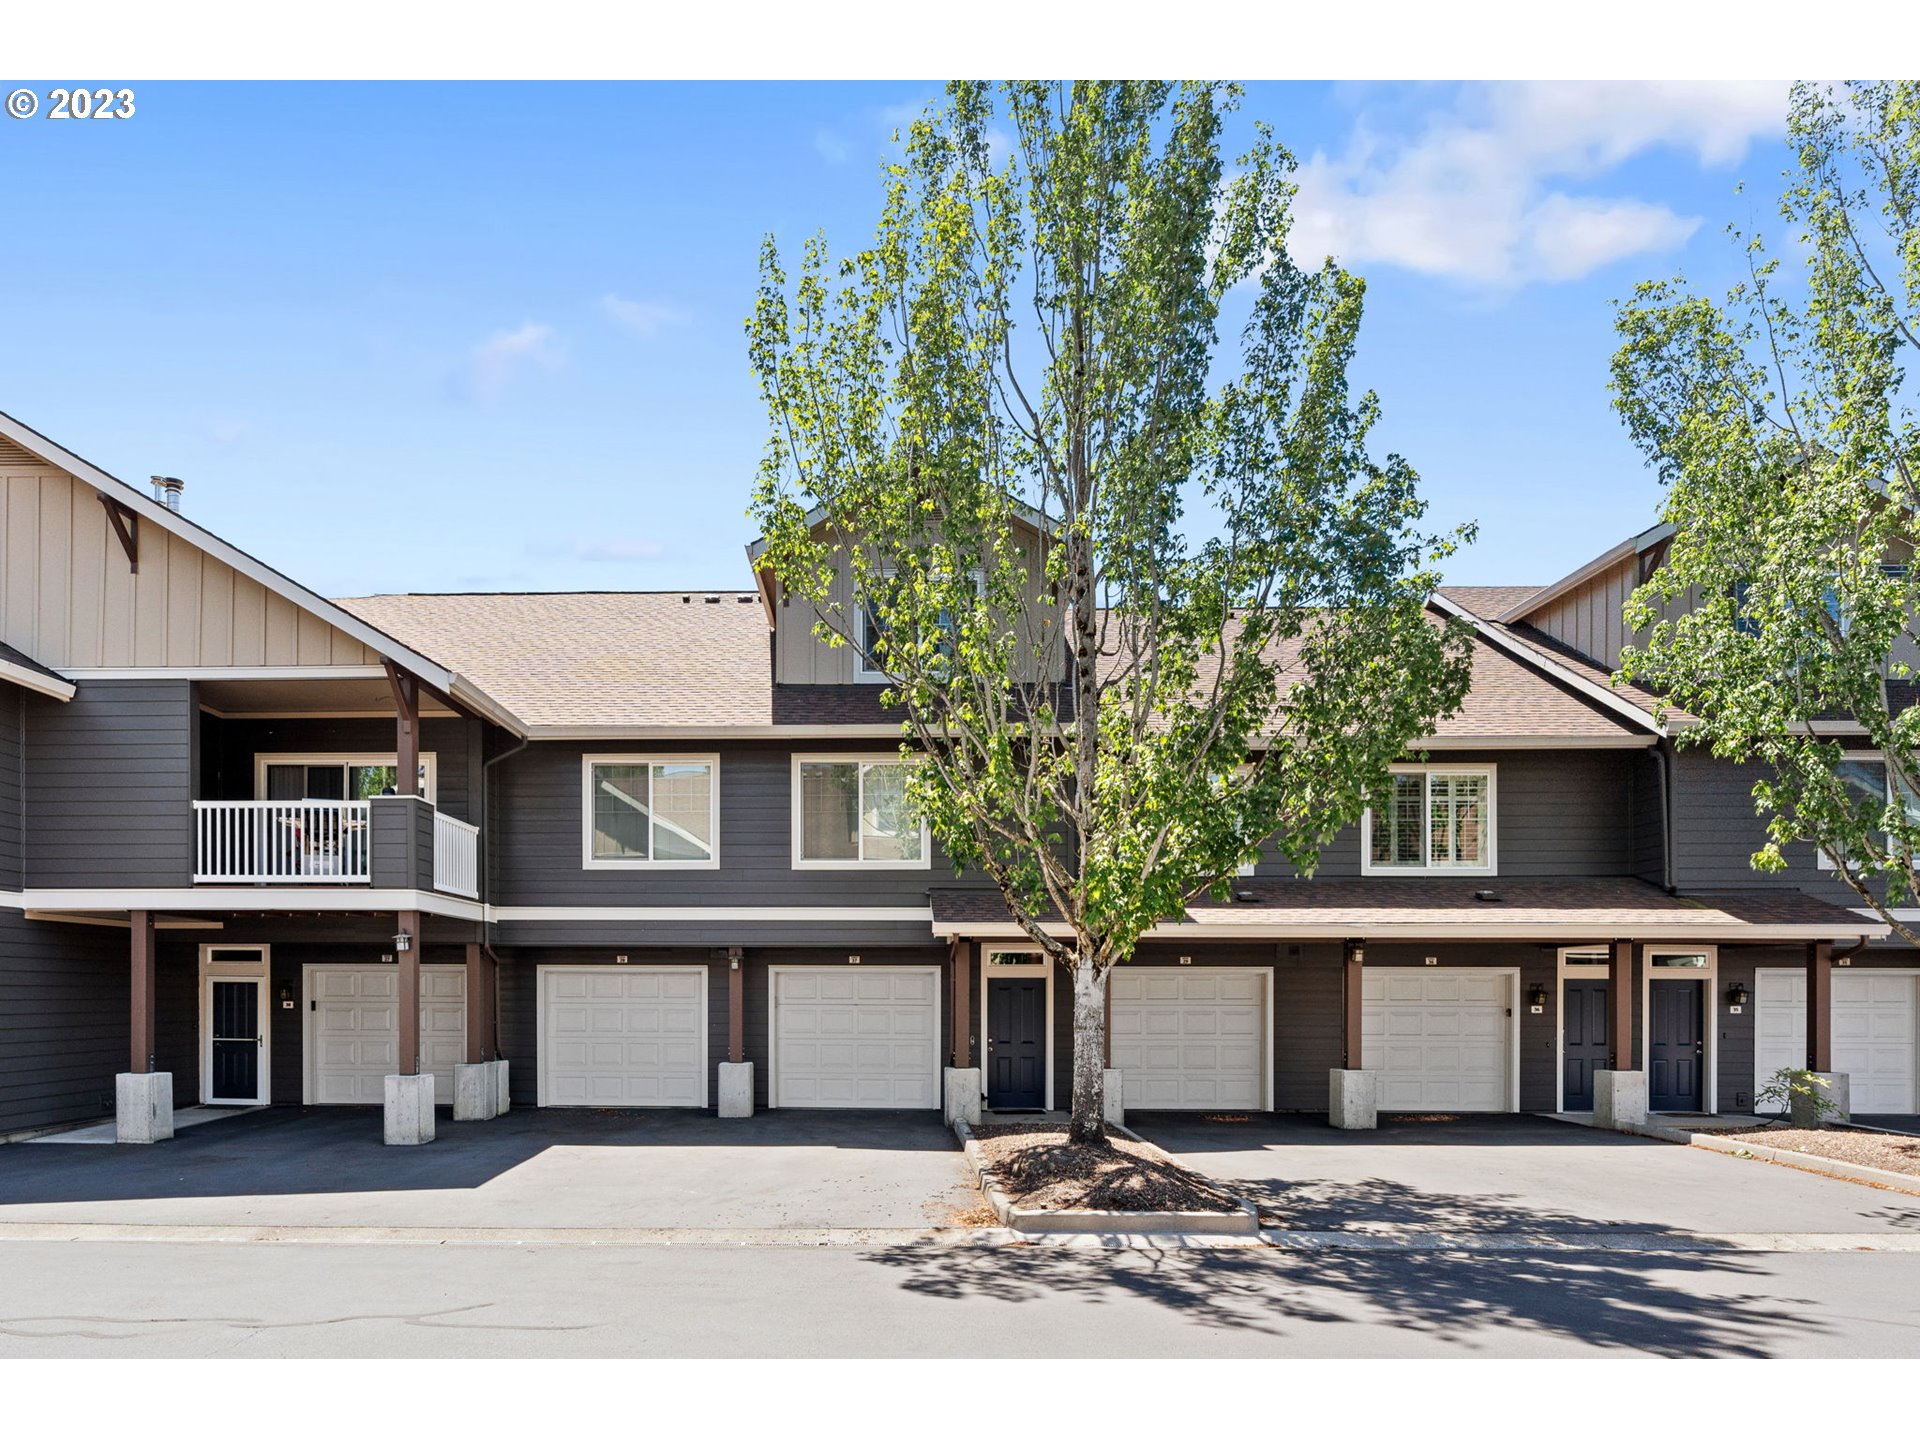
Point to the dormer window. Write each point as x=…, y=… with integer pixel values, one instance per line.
x=1438, y=821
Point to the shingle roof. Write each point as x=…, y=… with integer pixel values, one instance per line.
x=645, y=659
x=1488, y=602
x=1393, y=906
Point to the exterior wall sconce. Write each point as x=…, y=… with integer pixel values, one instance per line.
x=1736, y=996
x=402, y=943
x=286, y=997
x=1537, y=999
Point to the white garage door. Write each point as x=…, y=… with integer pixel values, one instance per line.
x=618, y=1035
x=353, y=1030
x=856, y=1037
x=1189, y=1039
x=1438, y=1039
x=1873, y=1034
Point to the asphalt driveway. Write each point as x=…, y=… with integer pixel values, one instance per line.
x=1513, y=1173
x=532, y=1168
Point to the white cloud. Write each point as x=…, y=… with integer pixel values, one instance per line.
x=831, y=147
x=501, y=353
x=642, y=317
x=1480, y=194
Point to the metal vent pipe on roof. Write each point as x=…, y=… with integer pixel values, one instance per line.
x=166, y=489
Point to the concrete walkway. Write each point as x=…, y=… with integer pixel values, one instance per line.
x=531, y=1169
x=1511, y=1174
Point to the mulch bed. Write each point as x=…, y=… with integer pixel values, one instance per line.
x=1899, y=1153
x=1041, y=1170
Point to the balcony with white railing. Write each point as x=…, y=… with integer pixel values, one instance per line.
x=281, y=842
x=456, y=856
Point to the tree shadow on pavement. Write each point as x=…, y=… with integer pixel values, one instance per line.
x=1680, y=1303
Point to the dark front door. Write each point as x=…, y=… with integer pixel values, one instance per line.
x=1676, y=1047
x=1585, y=1041
x=235, y=1038
x=1017, y=1042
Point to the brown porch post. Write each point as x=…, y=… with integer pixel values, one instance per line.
x=1620, y=1007
x=1353, y=959
x=409, y=959
x=1820, y=1006
x=140, y=1047
x=477, y=1026
x=962, y=953
x=406, y=708
x=736, y=1006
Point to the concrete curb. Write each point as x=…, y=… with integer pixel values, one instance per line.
x=1244, y=1221
x=1813, y=1164
x=1575, y=1241
x=950, y=1237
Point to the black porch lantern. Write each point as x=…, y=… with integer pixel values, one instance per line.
x=1736, y=994
x=1537, y=997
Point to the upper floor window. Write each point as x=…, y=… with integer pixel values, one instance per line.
x=333, y=777
x=656, y=810
x=1869, y=785
x=853, y=812
x=870, y=630
x=1439, y=821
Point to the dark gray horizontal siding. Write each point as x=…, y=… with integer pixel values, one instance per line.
x=108, y=785
x=1557, y=814
x=13, y=721
x=63, y=1020
x=538, y=823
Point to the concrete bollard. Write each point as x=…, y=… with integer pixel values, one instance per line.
x=1619, y=1098
x=961, y=1093
x=409, y=1109
x=143, y=1107
x=1353, y=1100
x=736, y=1090
x=475, y=1092
x=1113, y=1092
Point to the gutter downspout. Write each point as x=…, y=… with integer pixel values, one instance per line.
x=1662, y=753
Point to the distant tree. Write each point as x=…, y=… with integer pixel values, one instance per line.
x=1140, y=602
x=1781, y=420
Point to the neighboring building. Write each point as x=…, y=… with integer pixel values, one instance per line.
x=656, y=834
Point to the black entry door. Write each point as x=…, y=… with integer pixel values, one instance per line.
x=235, y=1039
x=1585, y=1041
x=1677, y=1046
x=1017, y=1043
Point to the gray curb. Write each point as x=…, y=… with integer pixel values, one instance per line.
x=1813, y=1164
x=1244, y=1221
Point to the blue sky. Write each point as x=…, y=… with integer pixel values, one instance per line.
x=451, y=337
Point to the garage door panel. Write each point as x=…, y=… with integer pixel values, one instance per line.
x=1437, y=1040
x=354, y=1034
x=849, y=1038
x=1873, y=1026
x=1190, y=1039
x=623, y=1037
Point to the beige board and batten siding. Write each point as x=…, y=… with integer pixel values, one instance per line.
x=802, y=658
x=69, y=598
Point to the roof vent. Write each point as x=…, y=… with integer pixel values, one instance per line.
x=1487, y=897
x=713, y=599
x=167, y=490
x=1245, y=897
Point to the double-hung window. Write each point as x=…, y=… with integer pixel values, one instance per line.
x=870, y=630
x=1869, y=785
x=660, y=811
x=1438, y=820
x=853, y=813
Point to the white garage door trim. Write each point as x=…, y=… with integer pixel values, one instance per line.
x=774, y=972
x=542, y=1086
x=1763, y=1060
x=1263, y=973
x=1510, y=1051
x=309, y=1043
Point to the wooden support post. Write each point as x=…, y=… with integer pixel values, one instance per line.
x=1820, y=1006
x=406, y=708
x=961, y=953
x=1353, y=959
x=409, y=961
x=1620, y=1008
x=477, y=1026
x=140, y=1048
x=736, y=1006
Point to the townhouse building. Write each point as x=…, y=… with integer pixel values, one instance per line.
x=260, y=847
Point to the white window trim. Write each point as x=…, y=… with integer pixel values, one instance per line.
x=861, y=673
x=1821, y=859
x=925, y=862
x=1036, y=963
x=1712, y=1005
x=589, y=861
x=428, y=762
x=1492, y=863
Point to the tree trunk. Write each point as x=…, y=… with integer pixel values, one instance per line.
x=1089, y=1123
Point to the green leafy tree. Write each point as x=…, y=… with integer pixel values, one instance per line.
x=1781, y=421
x=1140, y=603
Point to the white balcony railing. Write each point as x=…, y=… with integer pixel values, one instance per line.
x=456, y=856
x=280, y=842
